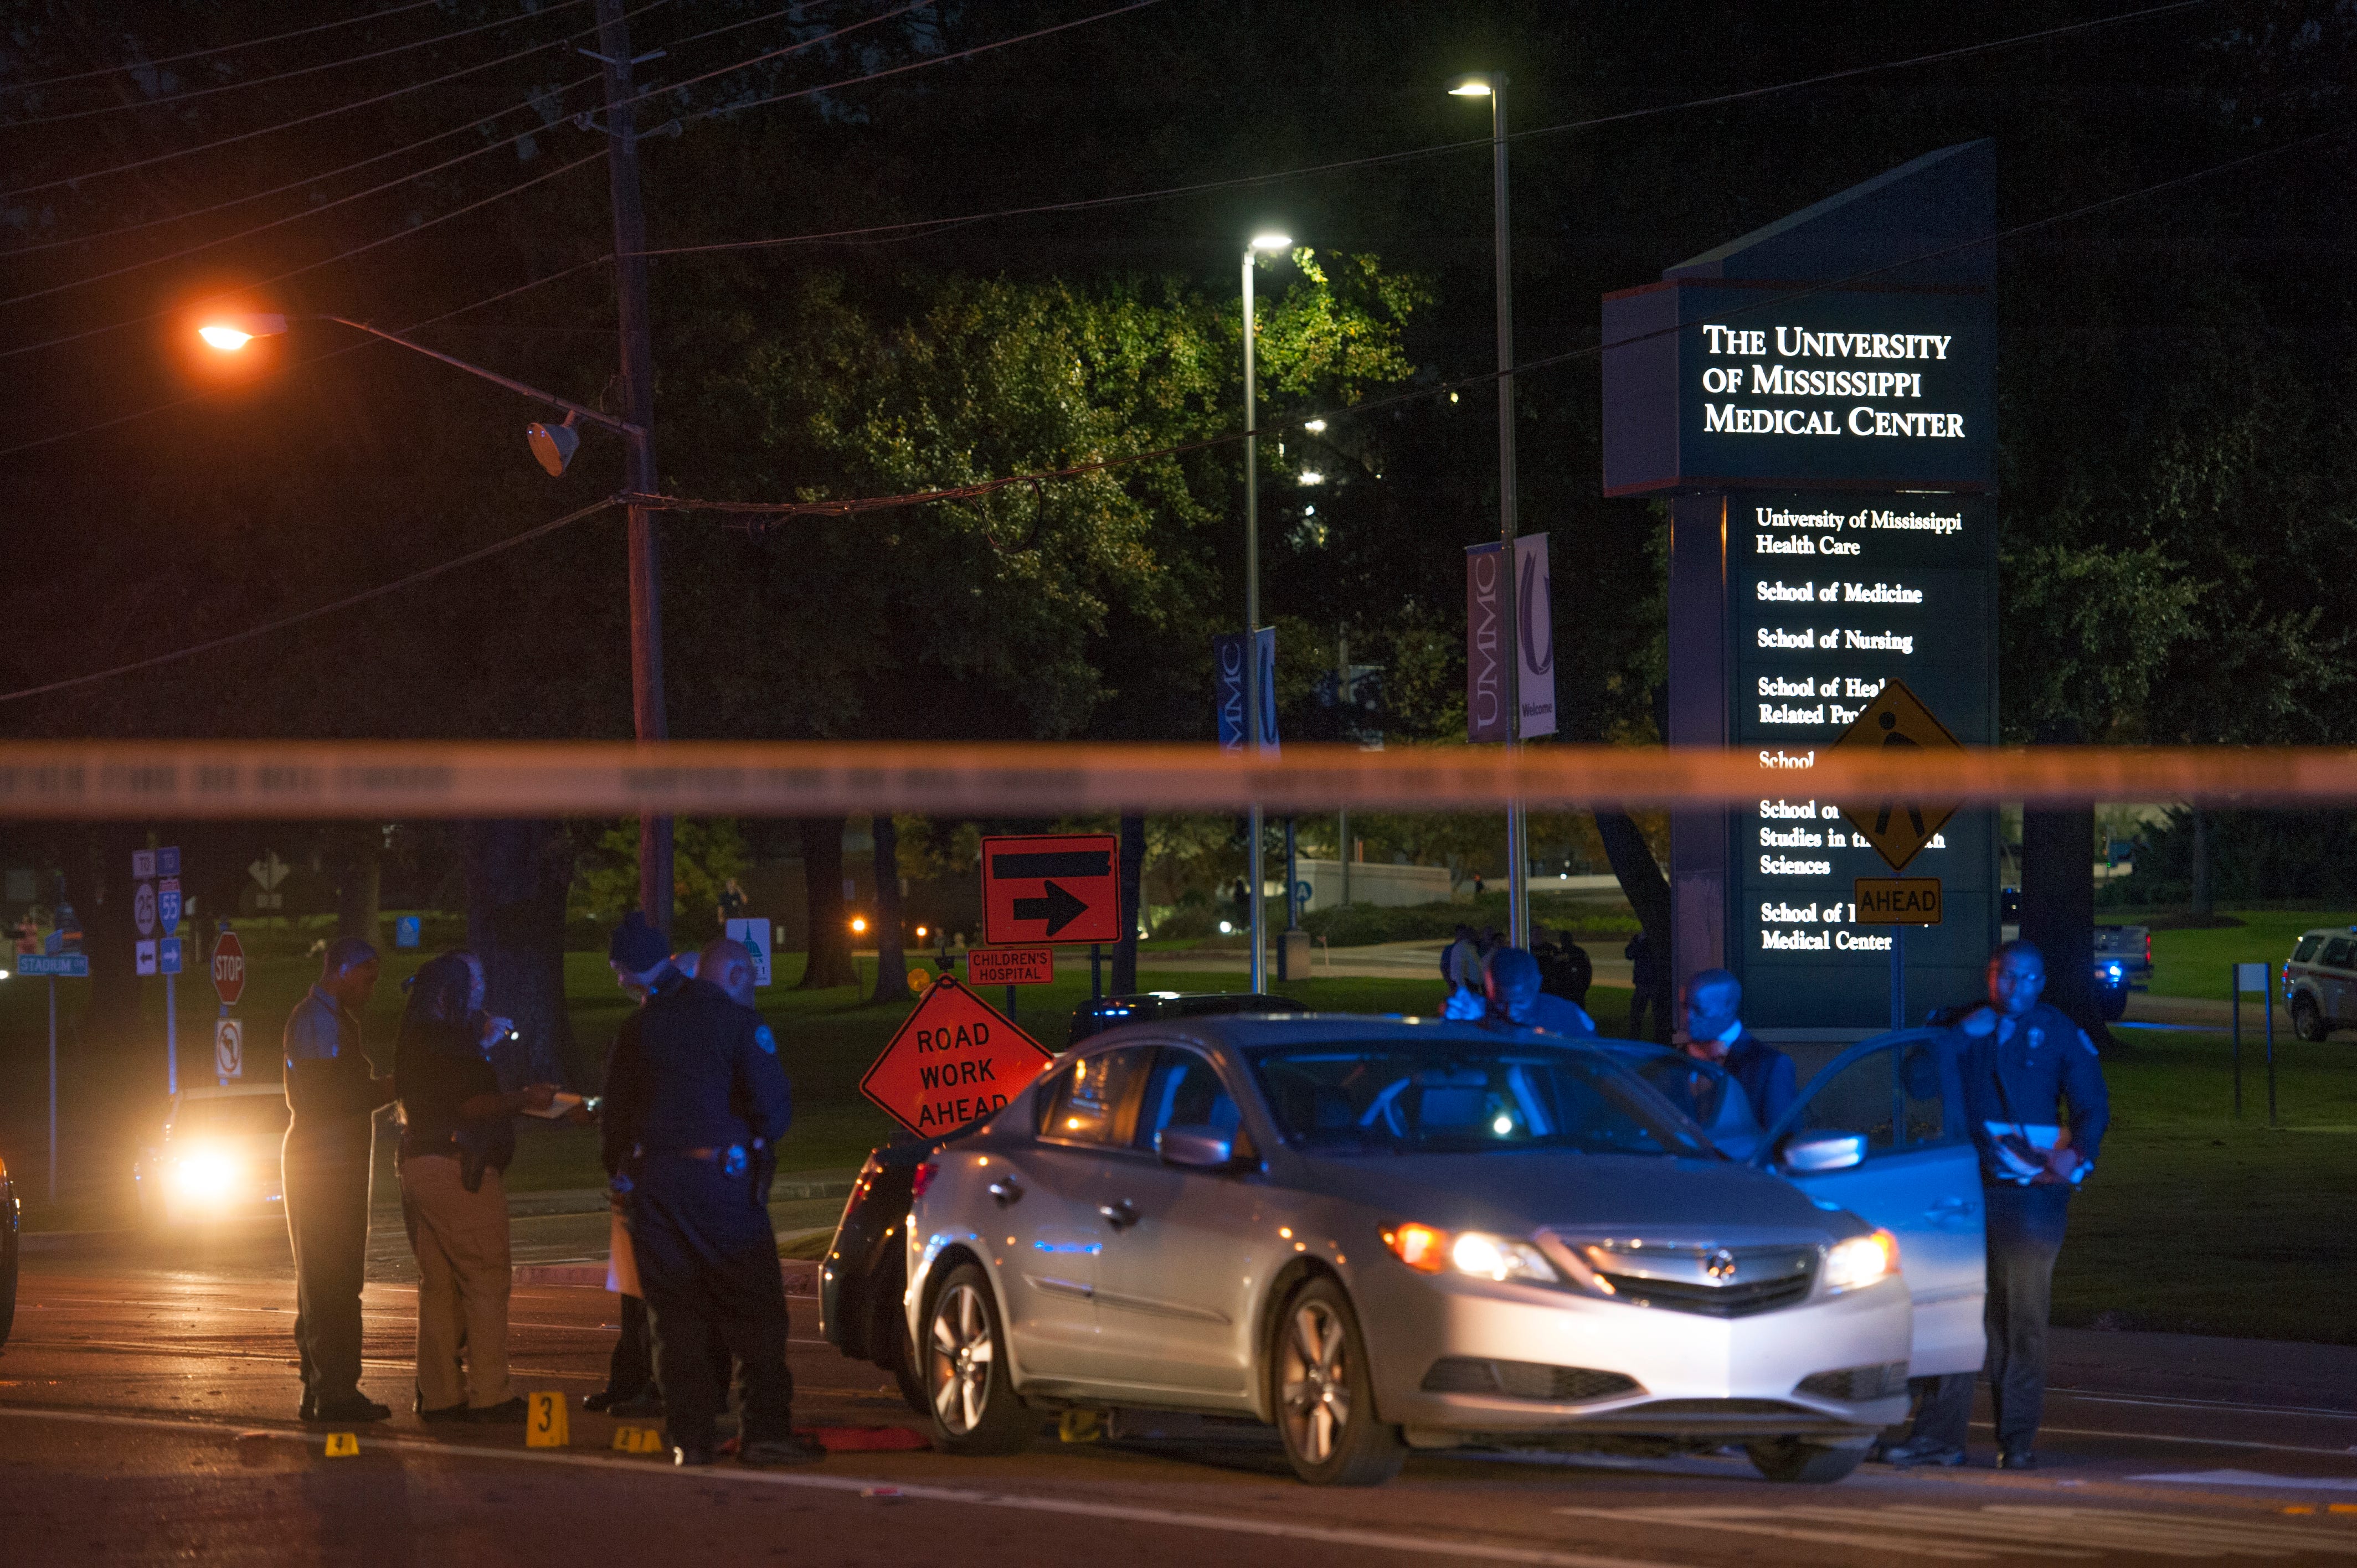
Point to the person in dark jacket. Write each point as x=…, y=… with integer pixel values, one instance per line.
x=2036, y=1106
x=333, y=1095
x=1644, y=984
x=1711, y=1010
x=694, y=1098
x=1510, y=980
x=458, y=1137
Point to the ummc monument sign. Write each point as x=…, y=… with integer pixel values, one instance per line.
x=1815, y=402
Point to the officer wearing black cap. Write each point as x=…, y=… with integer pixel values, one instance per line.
x=693, y=1099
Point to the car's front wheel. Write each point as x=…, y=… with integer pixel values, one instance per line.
x=2307, y=1019
x=1324, y=1394
x=969, y=1386
x=1810, y=1464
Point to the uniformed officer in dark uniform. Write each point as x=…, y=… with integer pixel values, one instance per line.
x=2016, y=1060
x=334, y=1096
x=695, y=1099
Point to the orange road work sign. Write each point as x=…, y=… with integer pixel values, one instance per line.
x=956, y=1058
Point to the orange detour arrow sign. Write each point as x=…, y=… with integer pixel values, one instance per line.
x=956, y=1058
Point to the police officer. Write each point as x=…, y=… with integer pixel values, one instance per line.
x=334, y=1096
x=1510, y=979
x=2018, y=1060
x=1711, y=1009
x=694, y=1097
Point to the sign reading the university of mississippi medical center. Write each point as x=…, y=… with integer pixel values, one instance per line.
x=1815, y=398
x=1851, y=345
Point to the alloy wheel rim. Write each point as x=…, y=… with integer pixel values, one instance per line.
x=1314, y=1391
x=961, y=1358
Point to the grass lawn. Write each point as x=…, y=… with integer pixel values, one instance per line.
x=2200, y=1223
x=2194, y=962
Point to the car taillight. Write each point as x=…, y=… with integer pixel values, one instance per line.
x=922, y=1178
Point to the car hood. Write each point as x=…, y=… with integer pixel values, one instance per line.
x=1586, y=1194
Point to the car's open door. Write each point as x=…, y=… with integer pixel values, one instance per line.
x=1919, y=1180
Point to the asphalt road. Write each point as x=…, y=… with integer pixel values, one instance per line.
x=146, y=1414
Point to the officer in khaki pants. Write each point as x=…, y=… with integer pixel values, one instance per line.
x=458, y=1137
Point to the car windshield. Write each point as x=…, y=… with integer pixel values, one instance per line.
x=230, y=1116
x=1464, y=1097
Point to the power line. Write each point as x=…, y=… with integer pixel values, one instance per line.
x=299, y=71
x=1345, y=166
x=473, y=123
x=348, y=601
x=652, y=92
x=308, y=119
x=218, y=49
x=854, y=506
x=211, y=393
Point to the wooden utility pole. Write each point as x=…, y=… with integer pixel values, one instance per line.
x=639, y=409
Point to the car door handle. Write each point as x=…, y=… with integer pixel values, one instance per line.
x=1121, y=1216
x=1951, y=1213
x=1006, y=1190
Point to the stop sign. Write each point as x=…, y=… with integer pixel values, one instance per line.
x=229, y=968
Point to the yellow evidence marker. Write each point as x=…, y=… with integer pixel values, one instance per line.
x=1080, y=1426
x=637, y=1440
x=545, y=1426
x=343, y=1444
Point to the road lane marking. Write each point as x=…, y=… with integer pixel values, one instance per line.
x=2187, y=1403
x=2161, y=1438
x=2254, y=1478
x=1998, y=1529
x=907, y=1491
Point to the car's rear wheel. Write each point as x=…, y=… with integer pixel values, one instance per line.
x=1325, y=1398
x=2307, y=1019
x=968, y=1386
x=907, y=1375
x=1796, y=1459
x=2113, y=1002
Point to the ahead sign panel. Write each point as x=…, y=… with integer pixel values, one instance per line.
x=1050, y=888
x=956, y=1058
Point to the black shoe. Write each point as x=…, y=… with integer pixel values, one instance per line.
x=447, y=1412
x=512, y=1413
x=2015, y=1456
x=644, y=1405
x=687, y=1454
x=309, y=1409
x=1923, y=1451
x=791, y=1449
x=601, y=1399
x=357, y=1407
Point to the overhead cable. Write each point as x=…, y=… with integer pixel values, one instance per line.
x=1344, y=166
x=346, y=602
x=217, y=48
x=288, y=75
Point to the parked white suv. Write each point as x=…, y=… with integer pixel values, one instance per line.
x=2320, y=982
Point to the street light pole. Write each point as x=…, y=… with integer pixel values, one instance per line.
x=1251, y=630
x=1518, y=892
x=655, y=888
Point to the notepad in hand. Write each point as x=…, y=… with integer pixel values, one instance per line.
x=556, y=1107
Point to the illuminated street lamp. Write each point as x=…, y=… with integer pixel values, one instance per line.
x=552, y=444
x=1261, y=244
x=1492, y=86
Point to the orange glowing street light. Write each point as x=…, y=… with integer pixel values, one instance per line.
x=552, y=444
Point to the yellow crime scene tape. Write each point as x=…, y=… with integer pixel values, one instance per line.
x=142, y=779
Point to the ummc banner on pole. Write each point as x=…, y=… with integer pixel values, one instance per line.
x=1485, y=648
x=160, y=780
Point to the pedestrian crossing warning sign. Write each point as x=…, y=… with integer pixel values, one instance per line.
x=955, y=1060
x=1899, y=830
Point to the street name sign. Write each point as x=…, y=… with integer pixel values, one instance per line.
x=1897, y=719
x=1050, y=888
x=55, y=966
x=1010, y=966
x=229, y=968
x=953, y=1059
x=1896, y=901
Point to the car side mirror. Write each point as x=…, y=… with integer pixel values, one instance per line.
x=1198, y=1148
x=1824, y=1152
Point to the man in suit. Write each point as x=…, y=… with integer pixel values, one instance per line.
x=1712, y=1008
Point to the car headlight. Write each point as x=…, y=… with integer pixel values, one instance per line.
x=205, y=1174
x=1861, y=1260
x=1431, y=1251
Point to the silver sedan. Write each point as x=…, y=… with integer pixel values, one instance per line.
x=1391, y=1234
